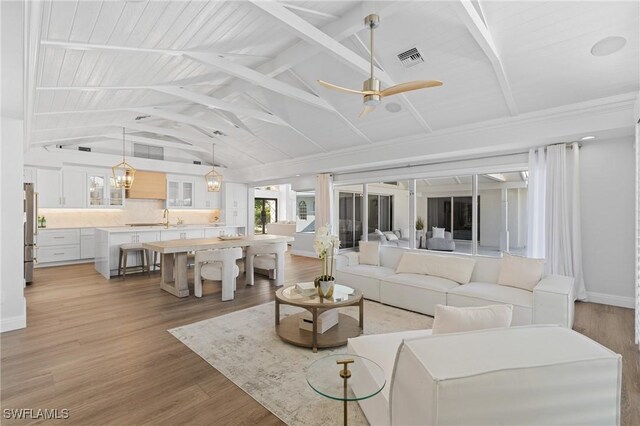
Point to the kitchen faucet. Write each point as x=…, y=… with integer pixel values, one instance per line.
x=165, y=215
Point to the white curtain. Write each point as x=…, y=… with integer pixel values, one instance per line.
x=554, y=212
x=638, y=234
x=536, y=201
x=324, y=200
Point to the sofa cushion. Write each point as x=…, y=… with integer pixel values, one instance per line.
x=369, y=253
x=449, y=319
x=382, y=349
x=458, y=269
x=495, y=293
x=412, y=263
x=429, y=282
x=520, y=272
x=367, y=271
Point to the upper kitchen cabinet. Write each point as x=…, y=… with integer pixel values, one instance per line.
x=180, y=192
x=61, y=188
x=206, y=199
x=102, y=190
x=235, y=195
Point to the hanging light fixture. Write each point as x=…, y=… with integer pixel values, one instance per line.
x=123, y=173
x=213, y=178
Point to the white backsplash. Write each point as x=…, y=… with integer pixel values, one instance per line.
x=135, y=211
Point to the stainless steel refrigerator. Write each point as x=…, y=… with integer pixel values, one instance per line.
x=30, y=230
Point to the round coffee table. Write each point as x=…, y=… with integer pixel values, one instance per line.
x=346, y=377
x=289, y=329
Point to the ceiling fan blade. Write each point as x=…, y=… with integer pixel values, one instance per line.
x=367, y=109
x=344, y=89
x=409, y=86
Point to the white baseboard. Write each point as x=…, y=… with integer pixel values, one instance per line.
x=610, y=299
x=304, y=253
x=14, y=323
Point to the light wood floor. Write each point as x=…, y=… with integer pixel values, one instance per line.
x=100, y=349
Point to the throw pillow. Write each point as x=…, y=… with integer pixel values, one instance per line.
x=449, y=319
x=412, y=263
x=370, y=253
x=437, y=232
x=454, y=268
x=391, y=236
x=520, y=272
x=398, y=233
x=379, y=232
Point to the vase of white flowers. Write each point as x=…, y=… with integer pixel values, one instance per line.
x=326, y=246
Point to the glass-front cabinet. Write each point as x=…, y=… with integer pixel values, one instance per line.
x=103, y=192
x=180, y=192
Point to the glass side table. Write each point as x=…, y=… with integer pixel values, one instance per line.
x=346, y=378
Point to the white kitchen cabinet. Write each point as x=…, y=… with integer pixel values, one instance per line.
x=61, y=188
x=74, y=189
x=87, y=243
x=180, y=192
x=236, y=217
x=205, y=199
x=49, y=186
x=128, y=237
x=30, y=174
x=57, y=245
x=102, y=191
x=181, y=234
x=235, y=195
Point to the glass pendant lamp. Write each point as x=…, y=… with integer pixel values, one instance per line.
x=213, y=178
x=123, y=173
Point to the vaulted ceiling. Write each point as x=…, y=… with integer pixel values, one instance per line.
x=242, y=74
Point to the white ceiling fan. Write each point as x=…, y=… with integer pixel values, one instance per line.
x=372, y=95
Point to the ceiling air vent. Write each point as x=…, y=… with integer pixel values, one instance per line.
x=410, y=58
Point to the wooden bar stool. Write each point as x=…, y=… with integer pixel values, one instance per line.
x=124, y=254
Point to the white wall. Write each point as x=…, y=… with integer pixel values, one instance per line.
x=607, y=191
x=13, y=307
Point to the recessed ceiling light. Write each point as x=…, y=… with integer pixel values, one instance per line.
x=608, y=46
x=587, y=138
x=393, y=107
x=297, y=175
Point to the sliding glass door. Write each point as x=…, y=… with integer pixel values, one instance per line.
x=350, y=219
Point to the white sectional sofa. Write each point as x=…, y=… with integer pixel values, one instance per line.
x=550, y=302
x=536, y=375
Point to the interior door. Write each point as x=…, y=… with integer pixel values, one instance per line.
x=266, y=211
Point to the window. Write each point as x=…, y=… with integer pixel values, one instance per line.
x=350, y=219
x=302, y=210
x=380, y=213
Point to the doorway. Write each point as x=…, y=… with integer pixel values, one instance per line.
x=266, y=211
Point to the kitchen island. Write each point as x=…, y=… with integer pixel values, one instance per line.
x=108, y=240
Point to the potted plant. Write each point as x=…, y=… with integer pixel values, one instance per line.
x=325, y=246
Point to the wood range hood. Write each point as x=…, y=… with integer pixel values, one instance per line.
x=148, y=186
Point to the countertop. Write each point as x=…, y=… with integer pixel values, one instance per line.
x=161, y=227
x=137, y=228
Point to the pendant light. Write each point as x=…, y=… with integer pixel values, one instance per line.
x=123, y=173
x=214, y=179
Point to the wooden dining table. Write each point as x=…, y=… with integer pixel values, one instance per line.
x=174, y=256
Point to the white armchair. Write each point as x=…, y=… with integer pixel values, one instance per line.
x=217, y=265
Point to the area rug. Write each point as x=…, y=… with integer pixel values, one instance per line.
x=245, y=348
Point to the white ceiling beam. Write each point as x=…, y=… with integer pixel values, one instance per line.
x=117, y=48
x=316, y=37
x=308, y=11
x=480, y=32
x=105, y=88
x=103, y=110
x=339, y=114
x=309, y=139
x=206, y=123
x=215, y=103
x=496, y=177
x=198, y=139
x=46, y=142
x=211, y=59
x=259, y=79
